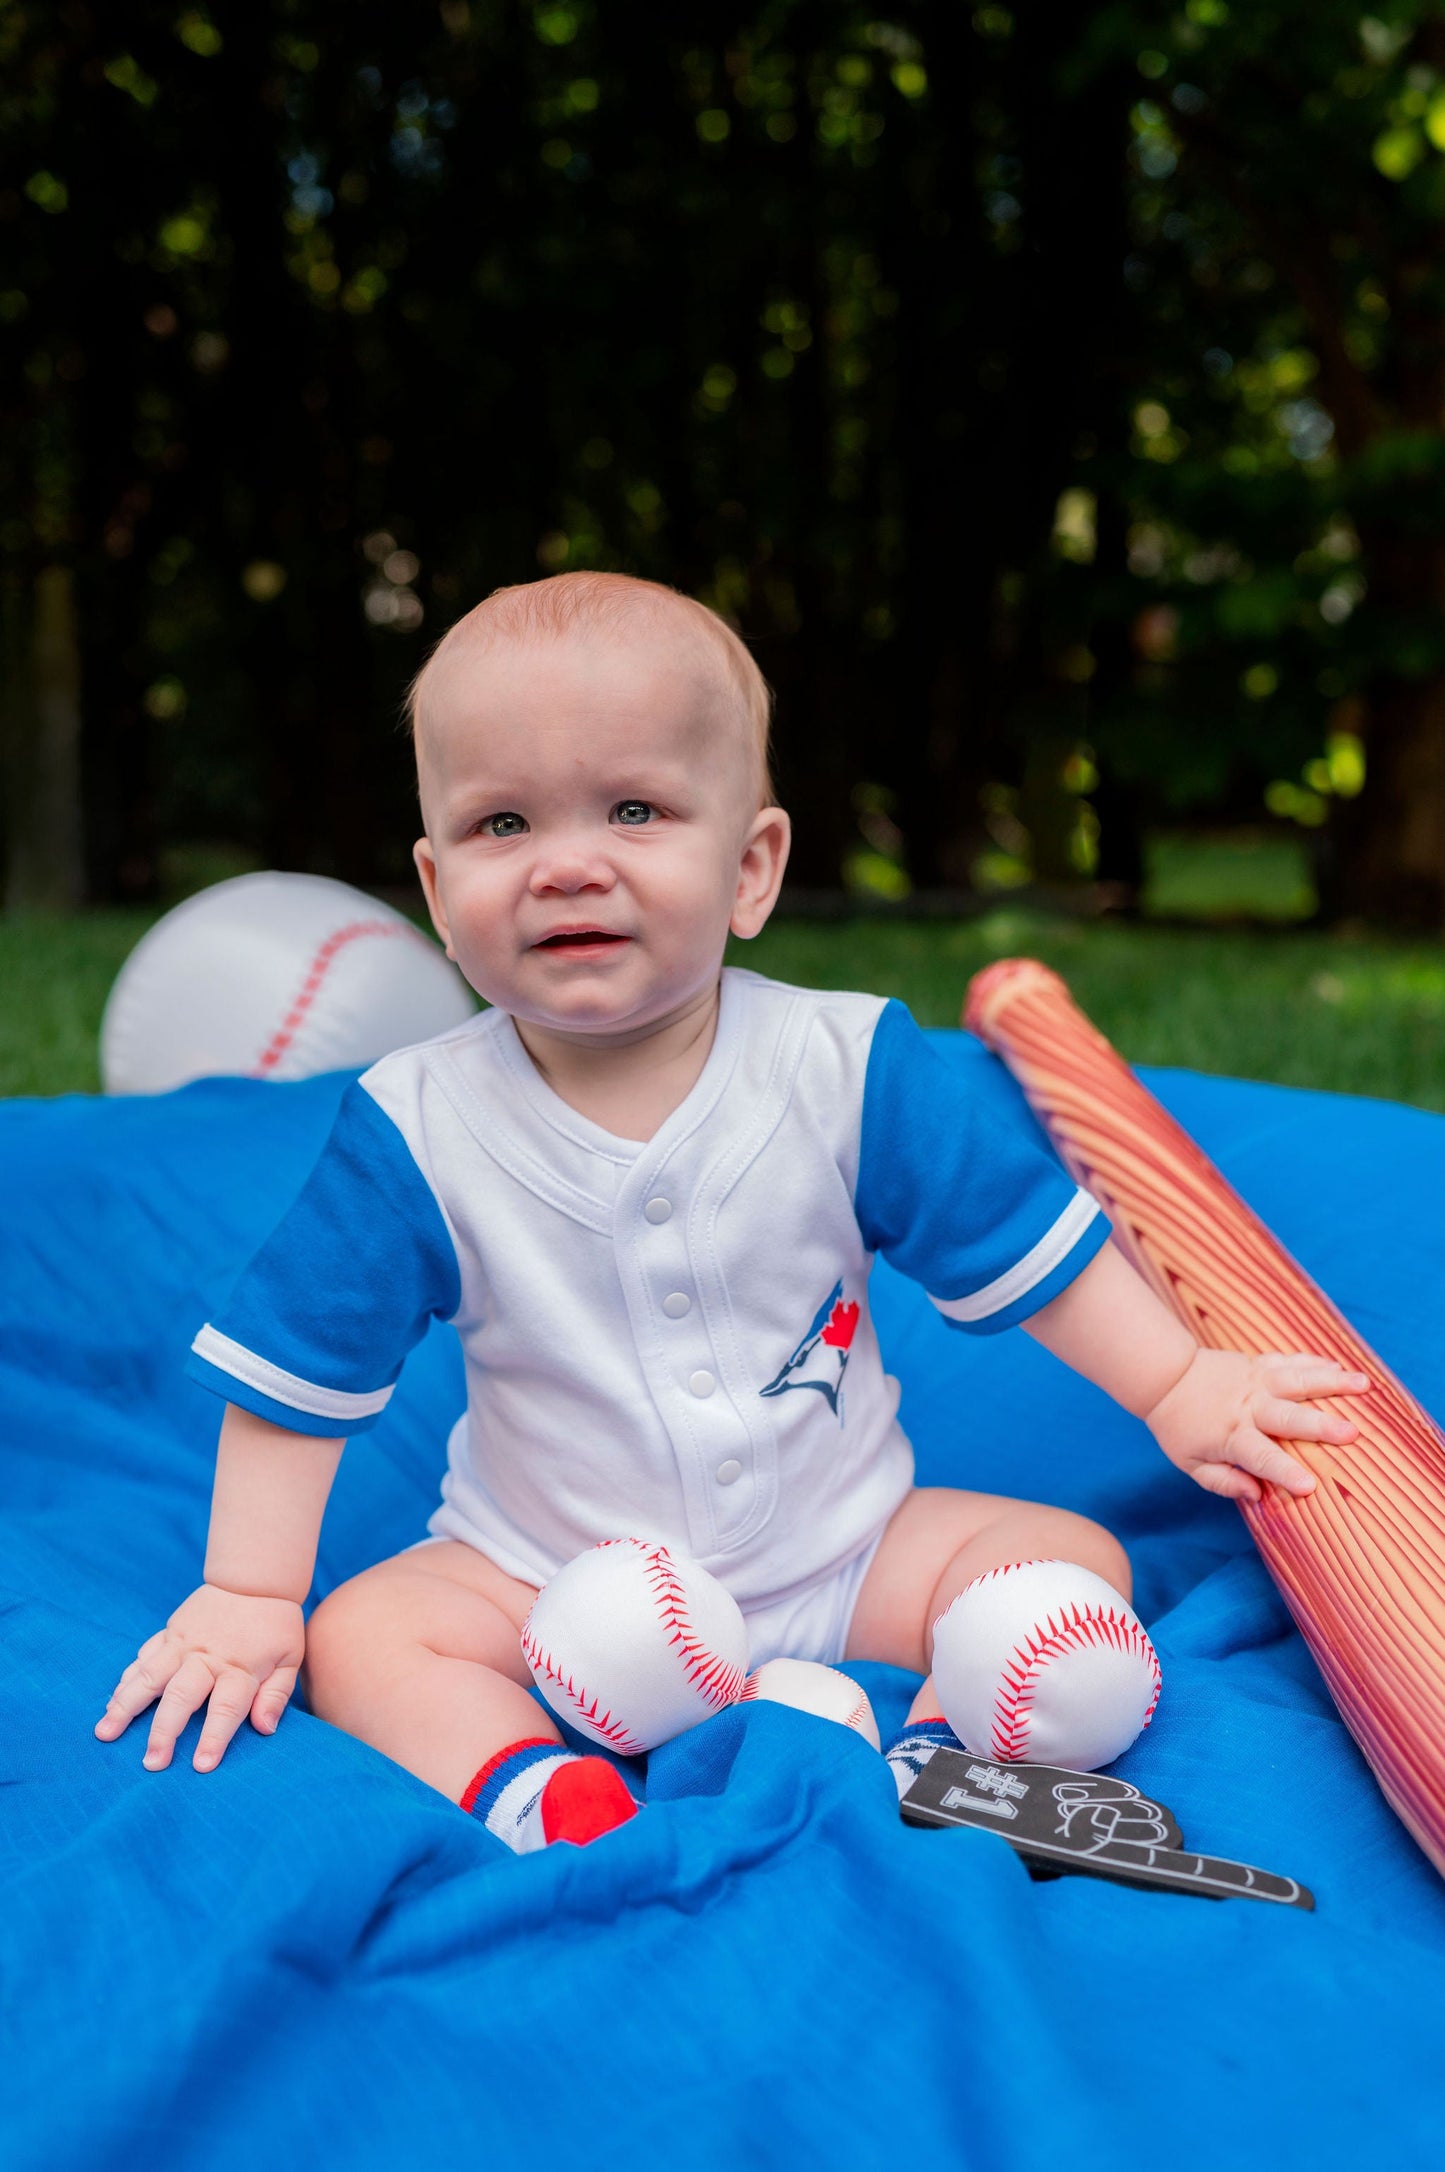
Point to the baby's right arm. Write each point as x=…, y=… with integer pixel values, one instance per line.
x=237, y=1640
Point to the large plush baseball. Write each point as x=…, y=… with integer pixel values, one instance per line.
x=274, y=976
x=632, y=1644
x=1044, y=1663
x=809, y=1687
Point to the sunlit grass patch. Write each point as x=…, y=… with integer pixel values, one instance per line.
x=1362, y=1016
x=1244, y=875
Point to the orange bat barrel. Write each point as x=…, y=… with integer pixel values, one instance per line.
x=1361, y=1560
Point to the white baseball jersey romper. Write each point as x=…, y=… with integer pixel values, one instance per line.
x=669, y=1340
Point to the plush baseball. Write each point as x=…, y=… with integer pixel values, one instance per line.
x=274, y=976
x=809, y=1687
x=632, y=1644
x=1043, y=1663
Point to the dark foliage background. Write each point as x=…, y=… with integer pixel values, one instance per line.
x=1053, y=397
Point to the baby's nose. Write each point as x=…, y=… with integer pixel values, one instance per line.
x=569, y=867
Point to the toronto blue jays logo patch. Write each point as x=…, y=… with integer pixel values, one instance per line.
x=821, y=1356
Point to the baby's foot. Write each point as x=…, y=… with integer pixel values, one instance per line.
x=535, y=1792
x=585, y=1799
x=909, y=1751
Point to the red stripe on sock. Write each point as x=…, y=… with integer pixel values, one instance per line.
x=581, y=1802
x=479, y=1781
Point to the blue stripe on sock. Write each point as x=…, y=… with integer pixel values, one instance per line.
x=509, y=1769
x=938, y=1732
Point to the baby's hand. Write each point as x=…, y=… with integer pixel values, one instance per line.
x=240, y=1652
x=1224, y=1419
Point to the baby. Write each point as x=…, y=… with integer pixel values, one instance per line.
x=647, y=1192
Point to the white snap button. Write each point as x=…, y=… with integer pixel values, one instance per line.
x=658, y=1210
x=677, y=1304
x=728, y=1473
x=701, y=1382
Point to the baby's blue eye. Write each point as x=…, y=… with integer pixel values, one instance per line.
x=504, y=825
x=632, y=813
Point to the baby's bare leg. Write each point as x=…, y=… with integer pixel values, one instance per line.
x=938, y=1541
x=421, y=1658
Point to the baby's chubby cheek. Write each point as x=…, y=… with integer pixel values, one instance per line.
x=684, y=916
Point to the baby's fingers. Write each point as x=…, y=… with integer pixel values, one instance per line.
x=272, y=1699
x=140, y=1685
x=1265, y=1459
x=188, y=1688
x=1298, y=1421
x=1301, y=1375
x=230, y=1702
x=1223, y=1478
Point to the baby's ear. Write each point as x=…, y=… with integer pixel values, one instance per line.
x=760, y=874
x=426, y=868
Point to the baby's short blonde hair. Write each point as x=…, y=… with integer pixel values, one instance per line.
x=621, y=605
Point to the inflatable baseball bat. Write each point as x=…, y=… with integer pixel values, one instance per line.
x=1361, y=1560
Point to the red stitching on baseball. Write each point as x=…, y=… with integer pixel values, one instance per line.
x=749, y=1693
x=989, y=1576
x=602, y=1723
x=858, y=1716
x=716, y=1682
x=709, y=1673
x=1079, y=1629
x=316, y=973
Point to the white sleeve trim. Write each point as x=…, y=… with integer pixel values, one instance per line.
x=1036, y=1266
x=283, y=1387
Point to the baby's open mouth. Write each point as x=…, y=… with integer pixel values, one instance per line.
x=578, y=939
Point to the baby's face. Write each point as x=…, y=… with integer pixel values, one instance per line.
x=592, y=828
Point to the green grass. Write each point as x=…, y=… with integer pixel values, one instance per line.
x=55, y=975
x=1227, y=875
x=1351, y=1015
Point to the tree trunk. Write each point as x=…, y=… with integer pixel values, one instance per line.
x=42, y=752
x=1392, y=839
x=944, y=447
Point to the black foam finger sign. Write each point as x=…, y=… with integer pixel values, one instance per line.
x=1037, y=1806
x=1087, y=1822
x=1179, y=1871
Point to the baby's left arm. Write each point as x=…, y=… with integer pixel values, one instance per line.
x=1216, y=1413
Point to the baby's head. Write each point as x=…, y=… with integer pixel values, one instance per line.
x=593, y=769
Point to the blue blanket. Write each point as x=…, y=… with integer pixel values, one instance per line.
x=309, y=1959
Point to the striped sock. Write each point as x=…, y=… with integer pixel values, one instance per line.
x=535, y=1792
x=910, y=1750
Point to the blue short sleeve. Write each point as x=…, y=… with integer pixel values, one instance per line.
x=955, y=1197
x=315, y=1332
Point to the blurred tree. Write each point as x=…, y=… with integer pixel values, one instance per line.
x=1283, y=493
x=1053, y=399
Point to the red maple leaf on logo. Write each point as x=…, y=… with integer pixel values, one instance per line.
x=841, y=1323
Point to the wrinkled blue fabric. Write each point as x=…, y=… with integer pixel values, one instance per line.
x=307, y=1958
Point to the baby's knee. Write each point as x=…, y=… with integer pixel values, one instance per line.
x=1034, y=1531
x=1093, y=1547
x=344, y=1639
